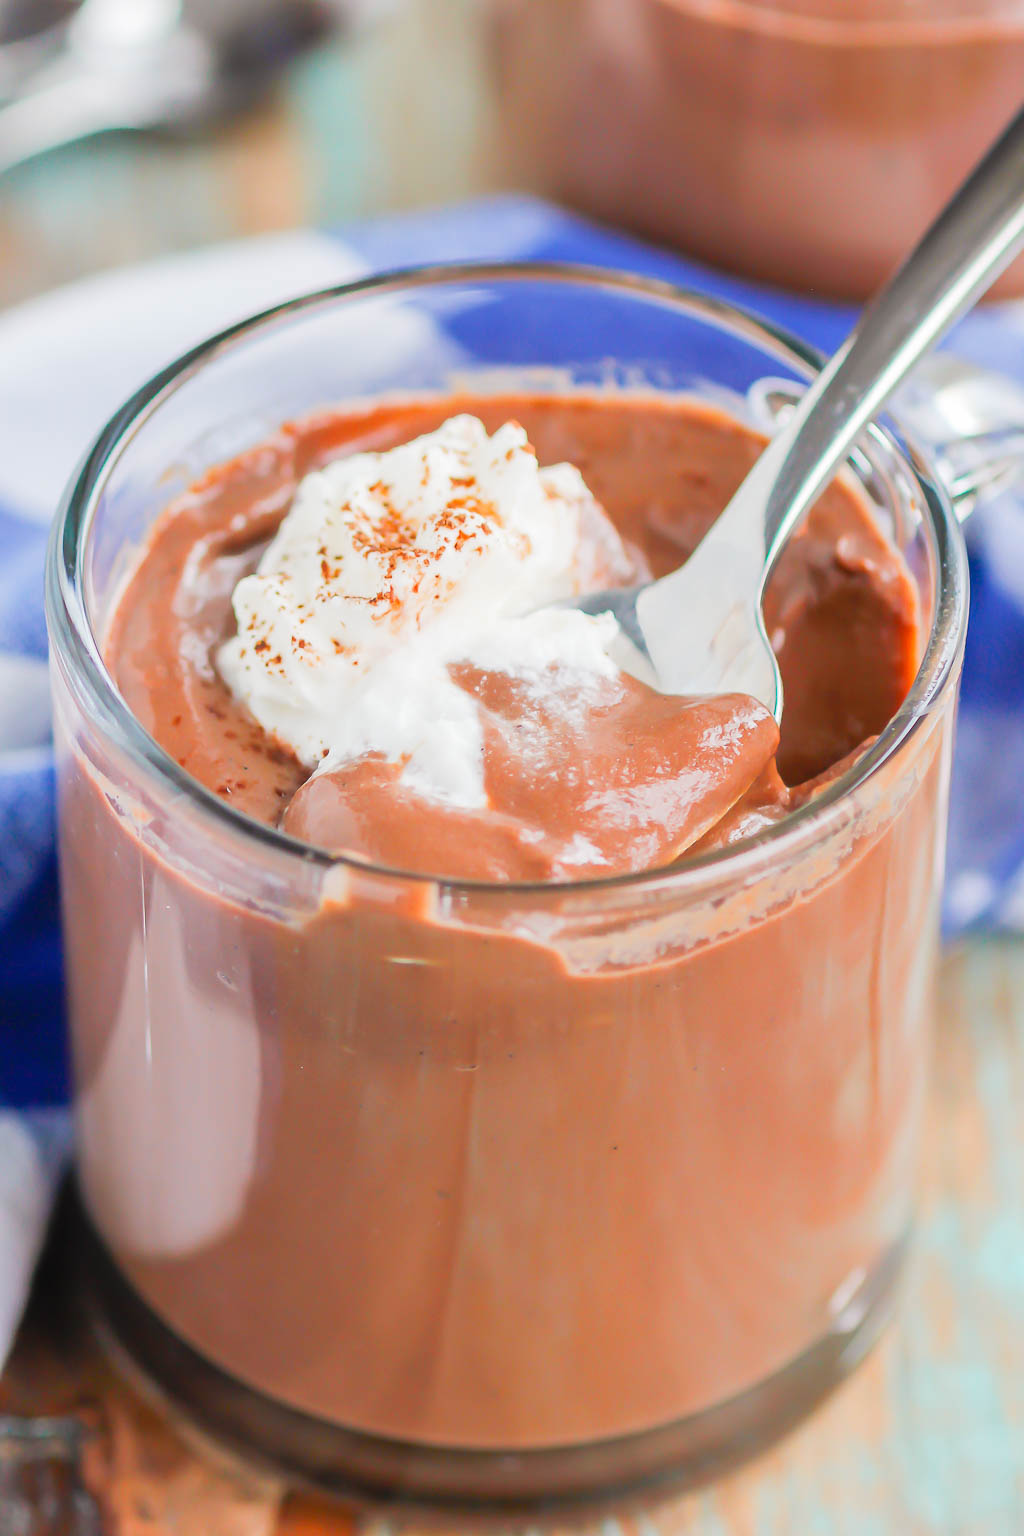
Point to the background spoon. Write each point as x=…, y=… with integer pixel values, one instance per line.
x=126, y=65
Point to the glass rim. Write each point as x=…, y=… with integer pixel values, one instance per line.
x=74, y=642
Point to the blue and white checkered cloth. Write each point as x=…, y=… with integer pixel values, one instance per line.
x=67, y=361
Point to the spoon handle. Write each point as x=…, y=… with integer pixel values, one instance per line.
x=51, y=116
x=961, y=255
x=724, y=647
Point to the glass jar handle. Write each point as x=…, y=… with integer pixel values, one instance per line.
x=970, y=419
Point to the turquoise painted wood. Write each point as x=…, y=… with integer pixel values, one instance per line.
x=335, y=143
x=928, y=1438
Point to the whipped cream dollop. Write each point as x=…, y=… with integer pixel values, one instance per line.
x=391, y=567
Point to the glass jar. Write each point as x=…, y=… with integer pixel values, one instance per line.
x=472, y=1191
x=803, y=142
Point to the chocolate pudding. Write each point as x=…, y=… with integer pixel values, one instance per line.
x=497, y=1168
x=842, y=614
x=805, y=142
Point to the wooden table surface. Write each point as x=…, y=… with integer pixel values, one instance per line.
x=928, y=1438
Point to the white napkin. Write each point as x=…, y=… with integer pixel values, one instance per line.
x=67, y=361
x=70, y=359
x=33, y=1151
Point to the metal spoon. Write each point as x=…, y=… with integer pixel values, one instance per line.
x=21, y=19
x=30, y=31
x=144, y=64
x=701, y=628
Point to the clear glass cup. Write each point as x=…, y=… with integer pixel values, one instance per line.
x=803, y=142
x=471, y=1191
